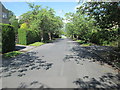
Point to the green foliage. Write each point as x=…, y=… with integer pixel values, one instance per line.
x=80, y=26
x=8, y=38
x=87, y=44
x=80, y=41
x=16, y=26
x=43, y=20
x=107, y=14
x=103, y=37
x=97, y=22
x=28, y=36
x=13, y=21
x=32, y=36
x=11, y=54
x=22, y=36
x=84, y=43
x=36, y=44
x=24, y=26
x=0, y=40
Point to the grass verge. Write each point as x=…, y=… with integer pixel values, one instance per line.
x=83, y=43
x=11, y=54
x=36, y=44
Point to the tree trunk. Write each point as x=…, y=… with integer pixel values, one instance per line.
x=77, y=37
x=73, y=36
x=42, y=36
x=119, y=37
x=50, y=38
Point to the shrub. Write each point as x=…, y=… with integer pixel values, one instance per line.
x=0, y=41
x=22, y=36
x=104, y=37
x=16, y=26
x=24, y=26
x=28, y=36
x=8, y=38
x=32, y=36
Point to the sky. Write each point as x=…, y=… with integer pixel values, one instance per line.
x=18, y=8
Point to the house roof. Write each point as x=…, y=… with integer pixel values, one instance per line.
x=3, y=8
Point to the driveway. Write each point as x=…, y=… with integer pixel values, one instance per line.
x=62, y=64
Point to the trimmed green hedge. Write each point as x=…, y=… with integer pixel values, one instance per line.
x=33, y=36
x=28, y=36
x=8, y=38
x=22, y=36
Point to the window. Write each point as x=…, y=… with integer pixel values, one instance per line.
x=4, y=15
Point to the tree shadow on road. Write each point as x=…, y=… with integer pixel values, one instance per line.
x=103, y=54
x=23, y=63
x=33, y=84
x=19, y=47
x=105, y=82
x=93, y=54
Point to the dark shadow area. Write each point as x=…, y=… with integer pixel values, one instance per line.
x=34, y=84
x=105, y=82
x=57, y=40
x=23, y=63
x=19, y=47
x=103, y=54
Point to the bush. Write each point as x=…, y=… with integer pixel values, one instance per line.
x=22, y=36
x=0, y=41
x=32, y=36
x=103, y=37
x=16, y=26
x=24, y=26
x=8, y=38
x=28, y=36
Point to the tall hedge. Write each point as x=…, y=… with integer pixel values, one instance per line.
x=8, y=38
x=28, y=36
x=22, y=36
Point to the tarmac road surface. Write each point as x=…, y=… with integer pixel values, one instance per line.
x=61, y=64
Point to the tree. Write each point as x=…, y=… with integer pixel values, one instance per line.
x=106, y=15
x=42, y=20
x=13, y=21
x=80, y=26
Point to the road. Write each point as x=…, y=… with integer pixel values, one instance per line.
x=62, y=64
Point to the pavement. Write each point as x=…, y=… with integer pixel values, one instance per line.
x=61, y=64
x=23, y=48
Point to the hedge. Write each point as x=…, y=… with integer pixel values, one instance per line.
x=8, y=38
x=28, y=36
x=22, y=36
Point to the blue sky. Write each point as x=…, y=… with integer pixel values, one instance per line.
x=60, y=7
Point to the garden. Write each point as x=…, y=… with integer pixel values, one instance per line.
x=36, y=27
